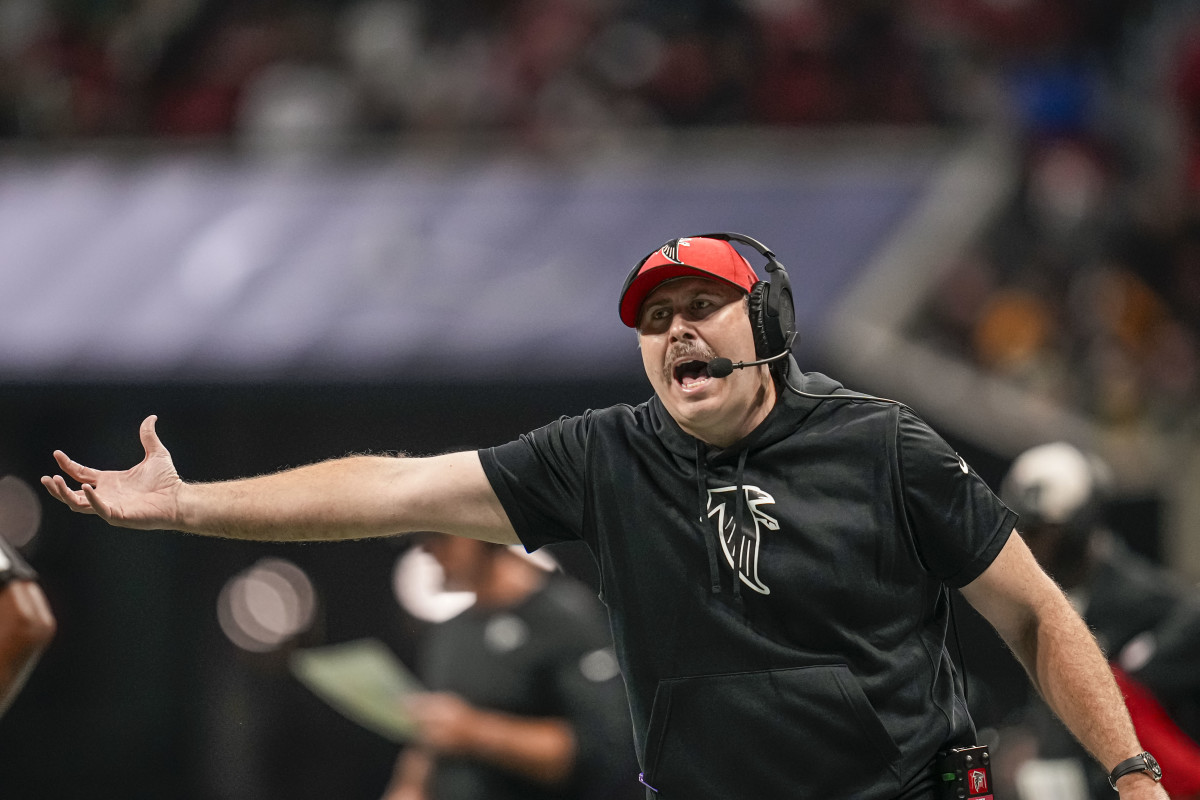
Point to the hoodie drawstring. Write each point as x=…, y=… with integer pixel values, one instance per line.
x=738, y=508
x=714, y=572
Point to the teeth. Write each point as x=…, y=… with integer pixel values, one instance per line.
x=692, y=371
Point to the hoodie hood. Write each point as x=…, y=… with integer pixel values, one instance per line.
x=790, y=411
x=793, y=404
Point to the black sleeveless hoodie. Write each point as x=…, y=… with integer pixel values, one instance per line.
x=780, y=606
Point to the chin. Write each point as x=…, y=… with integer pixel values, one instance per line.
x=674, y=396
x=693, y=410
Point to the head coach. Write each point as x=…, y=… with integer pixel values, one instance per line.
x=776, y=552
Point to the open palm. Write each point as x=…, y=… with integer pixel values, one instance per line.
x=144, y=496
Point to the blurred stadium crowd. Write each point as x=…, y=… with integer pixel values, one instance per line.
x=1086, y=290
x=74, y=68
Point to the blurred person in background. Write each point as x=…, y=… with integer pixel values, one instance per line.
x=1146, y=619
x=27, y=625
x=526, y=701
x=776, y=552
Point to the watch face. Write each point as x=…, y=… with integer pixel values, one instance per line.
x=1152, y=765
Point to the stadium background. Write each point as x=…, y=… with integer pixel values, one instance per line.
x=297, y=230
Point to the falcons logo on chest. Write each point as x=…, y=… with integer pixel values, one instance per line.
x=739, y=542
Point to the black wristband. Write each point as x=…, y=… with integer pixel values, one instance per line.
x=1142, y=762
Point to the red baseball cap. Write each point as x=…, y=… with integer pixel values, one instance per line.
x=682, y=258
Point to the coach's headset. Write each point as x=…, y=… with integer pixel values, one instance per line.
x=772, y=312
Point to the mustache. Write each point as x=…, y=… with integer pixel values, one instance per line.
x=692, y=351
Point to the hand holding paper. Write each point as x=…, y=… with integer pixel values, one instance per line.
x=363, y=680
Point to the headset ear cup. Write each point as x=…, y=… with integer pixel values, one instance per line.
x=785, y=321
x=764, y=345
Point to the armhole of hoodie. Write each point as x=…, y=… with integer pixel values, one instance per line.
x=589, y=531
x=899, y=493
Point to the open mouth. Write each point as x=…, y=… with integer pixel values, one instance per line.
x=690, y=374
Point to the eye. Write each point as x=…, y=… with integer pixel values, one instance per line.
x=654, y=318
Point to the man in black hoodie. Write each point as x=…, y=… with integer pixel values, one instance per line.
x=775, y=552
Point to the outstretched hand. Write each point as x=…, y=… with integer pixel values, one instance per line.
x=144, y=496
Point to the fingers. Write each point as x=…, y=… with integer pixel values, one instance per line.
x=77, y=471
x=76, y=501
x=57, y=485
x=98, y=506
x=86, y=500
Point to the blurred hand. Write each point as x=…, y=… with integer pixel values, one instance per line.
x=445, y=722
x=145, y=496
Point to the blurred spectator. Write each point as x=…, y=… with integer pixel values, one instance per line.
x=1144, y=618
x=201, y=73
x=526, y=699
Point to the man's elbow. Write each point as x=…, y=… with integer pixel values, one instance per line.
x=37, y=632
x=32, y=625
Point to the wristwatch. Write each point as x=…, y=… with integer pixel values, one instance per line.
x=1142, y=762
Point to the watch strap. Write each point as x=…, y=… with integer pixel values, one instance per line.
x=1142, y=762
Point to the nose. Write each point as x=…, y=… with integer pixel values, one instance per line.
x=681, y=328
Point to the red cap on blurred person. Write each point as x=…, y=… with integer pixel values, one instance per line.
x=683, y=258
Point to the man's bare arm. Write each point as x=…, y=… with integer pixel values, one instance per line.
x=347, y=498
x=1052, y=642
x=411, y=775
x=543, y=749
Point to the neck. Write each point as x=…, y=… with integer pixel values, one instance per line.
x=724, y=432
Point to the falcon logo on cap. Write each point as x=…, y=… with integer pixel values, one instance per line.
x=670, y=250
x=706, y=257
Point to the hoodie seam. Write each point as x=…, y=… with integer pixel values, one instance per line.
x=933, y=660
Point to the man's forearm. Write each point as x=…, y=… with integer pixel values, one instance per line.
x=411, y=775
x=1033, y=616
x=541, y=749
x=349, y=498
x=1072, y=674
x=345, y=498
